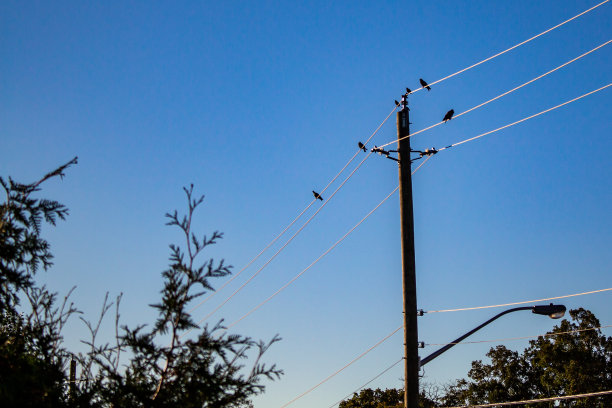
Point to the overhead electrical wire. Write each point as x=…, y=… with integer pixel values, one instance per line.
x=283, y=247
x=314, y=262
x=366, y=384
x=520, y=338
x=501, y=95
x=518, y=303
x=213, y=293
x=295, y=219
x=513, y=47
x=343, y=368
x=481, y=307
x=378, y=128
x=355, y=155
x=527, y=118
x=466, y=342
x=532, y=401
x=324, y=253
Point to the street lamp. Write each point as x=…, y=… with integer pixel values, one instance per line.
x=552, y=311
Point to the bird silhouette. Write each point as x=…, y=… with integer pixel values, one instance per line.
x=397, y=103
x=448, y=116
x=408, y=91
x=362, y=146
x=317, y=196
x=424, y=84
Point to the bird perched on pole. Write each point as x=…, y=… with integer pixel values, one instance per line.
x=362, y=146
x=448, y=116
x=424, y=84
x=317, y=196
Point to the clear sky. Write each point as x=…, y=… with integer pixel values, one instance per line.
x=258, y=103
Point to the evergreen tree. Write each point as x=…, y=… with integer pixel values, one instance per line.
x=156, y=367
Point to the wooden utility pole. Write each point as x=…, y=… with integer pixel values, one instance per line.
x=411, y=354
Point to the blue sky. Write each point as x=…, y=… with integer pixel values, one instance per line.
x=258, y=103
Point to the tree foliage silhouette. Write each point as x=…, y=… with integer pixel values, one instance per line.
x=144, y=366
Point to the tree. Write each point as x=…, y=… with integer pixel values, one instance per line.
x=164, y=367
x=389, y=398
x=573, y=358
x=369, y=398
x=32, y=360
x=22, y=249
x=561, y=363
x=203, y=372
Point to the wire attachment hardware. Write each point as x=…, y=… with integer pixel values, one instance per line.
x=404, y=100
x=386, y=153
x=427, y=152
x=422, y=153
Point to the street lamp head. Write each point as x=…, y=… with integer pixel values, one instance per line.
x=552, y=311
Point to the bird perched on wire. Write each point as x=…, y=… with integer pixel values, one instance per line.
x=448, y=116
x=317, y=196
x=424, y=84
x=397, y=103
x=408, y=91
x=362, y=146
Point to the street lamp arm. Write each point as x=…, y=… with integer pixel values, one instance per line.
x=457, y=340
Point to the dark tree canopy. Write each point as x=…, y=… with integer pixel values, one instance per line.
x=156, y=365
x=389, y=398
x=369, y=398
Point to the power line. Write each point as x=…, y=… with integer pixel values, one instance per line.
x=314, y=262
x=257, y=256
x=503, y=94
x=295, y=219
x=520, y=338
x=384, y=145
x=518, y=303
x=482, y=307
x=558, y=398
x=524, y=119
x=324, y=253
x=283, y=247
x=364, y=385
x=513, y=47
x=341, y=369
x=371, y=136
x=470, y=342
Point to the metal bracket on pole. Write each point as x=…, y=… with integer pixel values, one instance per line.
x=385, y=153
